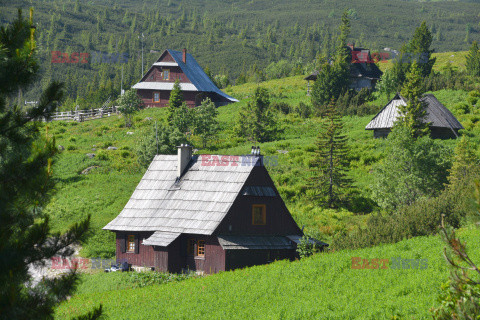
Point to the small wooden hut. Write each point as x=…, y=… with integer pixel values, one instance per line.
x=443, y=124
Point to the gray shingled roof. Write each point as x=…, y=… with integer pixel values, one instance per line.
x=254, y=242
x=159, y=238
x=437, y=114
x=196, y=204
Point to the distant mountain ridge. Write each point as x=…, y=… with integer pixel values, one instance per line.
x=229, y=37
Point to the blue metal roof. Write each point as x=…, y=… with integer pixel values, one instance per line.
x=196, y=75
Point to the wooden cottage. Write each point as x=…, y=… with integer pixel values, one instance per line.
x=443, y=124
x=206, y=213
x=364, y=73
x=155, y=86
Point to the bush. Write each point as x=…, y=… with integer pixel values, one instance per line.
x=462, y=108
x=125, y=154
x=106, y=144
x=71, y=148
x=282, y=107
x=303, y=110
x=474, y=93
x=306, y=248
x=472, y=100
x=422, y=218
x=102, y=156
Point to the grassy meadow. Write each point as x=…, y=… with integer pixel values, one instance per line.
x=323, y=286
x=456, y=60
x=114, y=174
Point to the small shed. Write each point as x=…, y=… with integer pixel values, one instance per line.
x=443, y=124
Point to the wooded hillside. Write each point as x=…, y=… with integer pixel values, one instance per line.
x=230, y=38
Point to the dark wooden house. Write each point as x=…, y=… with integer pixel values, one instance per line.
x=364, y=73
x=443, y=124
x=155, y=86
x=205, y=213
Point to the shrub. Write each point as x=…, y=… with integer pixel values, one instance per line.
x=305, y=248
x=474, y=93
x=472, y=100
x=102, y=156
x=283, y=107
x=422, y=218
x=71, y=147
x=125, y=154
x=303, y=110
x=106, y=144
x=462, y=108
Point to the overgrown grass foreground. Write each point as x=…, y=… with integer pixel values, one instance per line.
x=320, y=287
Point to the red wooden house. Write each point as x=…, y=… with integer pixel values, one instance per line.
x=205, y=213
x=155, y=86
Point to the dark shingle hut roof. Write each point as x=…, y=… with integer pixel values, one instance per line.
x=437, y=114
x=365, y=70
x=313, y=76
x=196, y=203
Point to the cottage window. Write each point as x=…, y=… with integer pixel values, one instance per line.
x=201, y=248
x=166, y=74
x=191, y=247
x=259, y=214
x=156, y=97
x=131, y=243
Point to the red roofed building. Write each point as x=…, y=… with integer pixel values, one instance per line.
x=155, y=86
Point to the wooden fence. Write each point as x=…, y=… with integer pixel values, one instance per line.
x=83, y=115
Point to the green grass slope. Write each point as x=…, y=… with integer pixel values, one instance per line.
x=321, y=287
x=114, y=174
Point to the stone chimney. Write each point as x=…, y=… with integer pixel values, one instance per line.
x=184, y=156
x=184, y=57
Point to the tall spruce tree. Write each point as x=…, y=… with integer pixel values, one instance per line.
x=329, y=181
x=419, y=47
x=26, y=160
x=417, y=50
x=412, y=115
x=473, y=60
